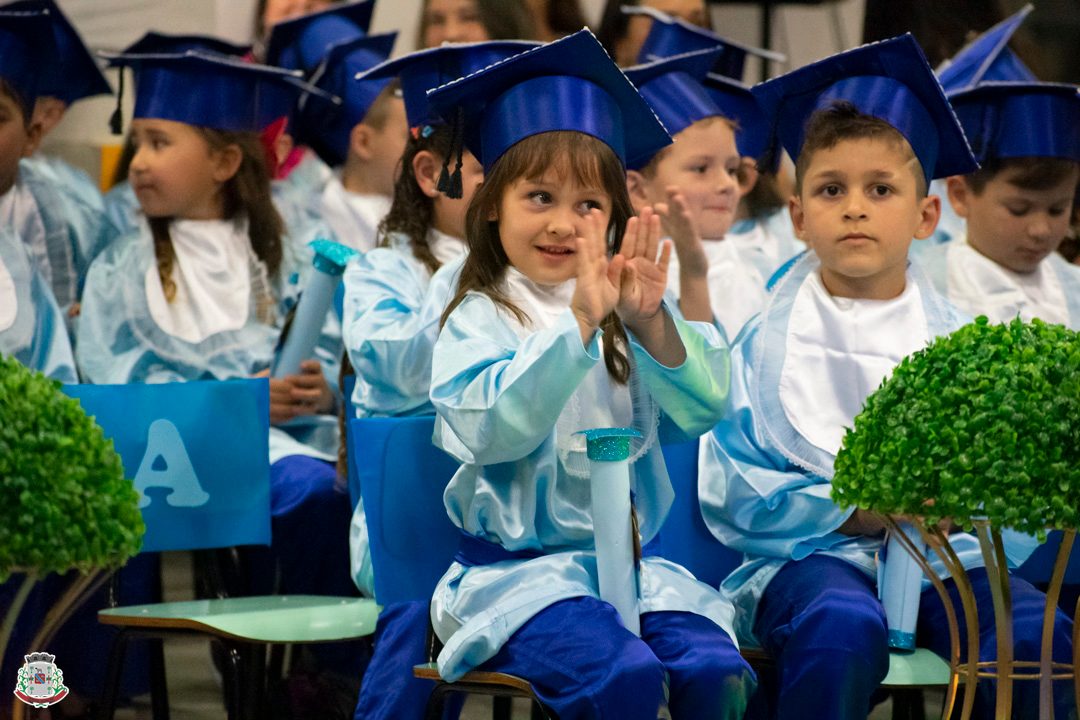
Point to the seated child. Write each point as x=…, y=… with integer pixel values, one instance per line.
x=1017, y=206
x=697, y=176
x=198, y=292
x=56, y=212
x=548, y=335
x=394, y=297
x=869, y=128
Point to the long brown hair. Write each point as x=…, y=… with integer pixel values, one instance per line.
x=501, y=19
x=575, y=155
x=247, y=193
x=412, y=212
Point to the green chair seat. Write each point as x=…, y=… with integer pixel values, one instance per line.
x=282, y=619
x=920, y=668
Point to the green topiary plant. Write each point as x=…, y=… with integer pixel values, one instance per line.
x=982, y=427
x=983, y=423
x=64, y=501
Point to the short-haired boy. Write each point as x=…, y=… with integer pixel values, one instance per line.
x=869, y=128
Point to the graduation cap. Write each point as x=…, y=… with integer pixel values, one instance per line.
x=325, y=125
x=987, y=58
x=302, y=42
x=672, y=36
x=1017, y=119
x=673, y=88
x=217, y=91
x=26, y=44
x=163, y=43
x=421, y=71
x=890, y=80
x=71, y=73
x=569, y=84
x=737, y=103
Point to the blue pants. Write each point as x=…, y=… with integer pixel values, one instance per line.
x=389, y=691
x=1028, y=606
x=821, y=620
x=582, y=663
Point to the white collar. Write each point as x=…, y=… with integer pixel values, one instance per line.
x=19, y=211
x=445, y=248
x=838, y=350
x=9, y=297
x=212, y=274
x=353, y=217
x=541, y=303
x=979, y=286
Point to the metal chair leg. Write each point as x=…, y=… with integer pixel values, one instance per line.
x=113, y=674
x=234, y=698
x=437, y=701
x=502, y=707
x=537, y=712
x=908, y=705
x=159, y=688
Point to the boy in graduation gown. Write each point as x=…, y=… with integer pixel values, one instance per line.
x=869, y=129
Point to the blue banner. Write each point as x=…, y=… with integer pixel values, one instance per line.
x=198, y=454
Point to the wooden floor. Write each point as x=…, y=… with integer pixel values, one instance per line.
x=195, y=692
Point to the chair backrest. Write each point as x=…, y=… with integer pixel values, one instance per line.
x=401, y=476
x=684, y=538
x=198, y=454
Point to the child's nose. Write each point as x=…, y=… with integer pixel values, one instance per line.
x=562, y=224
x=854, y=207
x=1039, y=228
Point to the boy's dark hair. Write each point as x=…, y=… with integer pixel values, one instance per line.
x=1030, y=173
x=843, y=121
x=27, y=110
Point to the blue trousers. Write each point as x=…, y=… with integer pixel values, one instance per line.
x=389, y=691
x=821, y=620
x=582, y=663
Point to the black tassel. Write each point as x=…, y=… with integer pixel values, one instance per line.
x=453, y=180
x=116, y=121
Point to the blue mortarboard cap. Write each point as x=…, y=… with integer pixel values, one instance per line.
x=426, y=69
x=26, y=43
x=673, y=88
x=889, y=80
x=672, y=36
x=72, y=73
x=325, y=125
x=218, y=91
x=987, y=58
x=1008, y=120
x=569, y=84
x=155, y=43
x=737, y=103
x=302, y=42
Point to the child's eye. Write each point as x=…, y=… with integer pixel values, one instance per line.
x=881, y=191
x=831, y=190
x=1017, y=211
x=587, y=205
x=1056, y=211
x=540, y=197
x=700, y=169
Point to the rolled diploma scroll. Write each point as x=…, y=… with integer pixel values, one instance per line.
x=329, y=261
x=609, y=481
x=899, y=587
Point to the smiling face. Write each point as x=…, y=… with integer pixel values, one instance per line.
x=540, y=218
x=1015, y=226
x=175, y=173
x=858, y=208
x=703, y=163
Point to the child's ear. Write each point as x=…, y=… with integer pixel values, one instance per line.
x=795, y=209
x=637, y=186
x=227, y=162
x=959, y=194
x=34, y=135
x=426, y=169
x=930, y=213
x=360, y=140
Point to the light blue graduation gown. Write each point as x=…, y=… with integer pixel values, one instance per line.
x=120, y=342
x=767, y=242
x=950, y=227
x=32, y=327
x=76, y=228
x=499, y=394
x=392, y=308
x=978, y=286
x=765, y=488
x=122, y=209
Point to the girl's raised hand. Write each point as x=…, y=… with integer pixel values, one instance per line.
x=645, y=277
x=681, y=225
x=598, y=278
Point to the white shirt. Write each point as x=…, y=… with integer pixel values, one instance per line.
x=736, y=287
x=353, y=218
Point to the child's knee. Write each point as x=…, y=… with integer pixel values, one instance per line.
x=846, y=621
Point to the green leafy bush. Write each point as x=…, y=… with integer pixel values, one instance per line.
x=64, y=501
x=984, y=422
